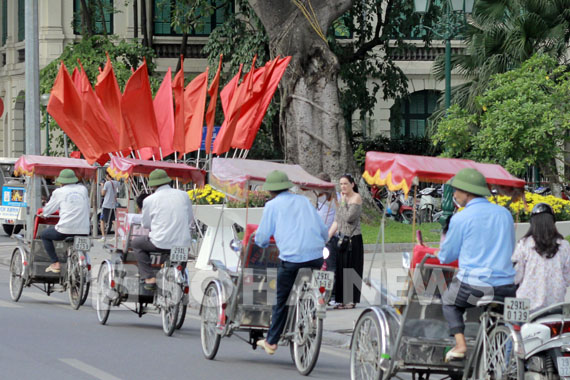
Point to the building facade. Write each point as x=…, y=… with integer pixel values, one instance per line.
x=58, y=27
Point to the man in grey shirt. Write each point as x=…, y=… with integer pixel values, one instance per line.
x=109, y=194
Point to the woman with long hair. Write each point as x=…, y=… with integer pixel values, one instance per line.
x=351, y=249
x=542, y=261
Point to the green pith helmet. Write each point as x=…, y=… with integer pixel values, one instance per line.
x=471, y=181
x=277, y=180
x=158, y=177
x=66, y=176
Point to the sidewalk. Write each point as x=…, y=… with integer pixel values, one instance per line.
x=338, y=324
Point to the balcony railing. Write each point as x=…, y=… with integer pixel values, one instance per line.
x=172, y=50
x=421, y=53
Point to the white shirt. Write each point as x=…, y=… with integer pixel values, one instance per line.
x=72, y=201
x=168, y=215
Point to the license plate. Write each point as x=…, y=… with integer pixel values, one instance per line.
x=516, y=309
x=81, y=243
x=178, y=254
x=323, y=279
x=564, y=366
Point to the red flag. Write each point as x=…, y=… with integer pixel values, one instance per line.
x=65, y=106
x=96, y=120
x=76, y=78
x=178, y=87
x=138, y=110
x=164, y=111
x=194, y=105
x=266, y=82
x=236, y=97
x=108, y=92
x=211, y=112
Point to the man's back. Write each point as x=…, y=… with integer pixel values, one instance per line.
x=168, y=214
x=482, y=237
x=72, y=201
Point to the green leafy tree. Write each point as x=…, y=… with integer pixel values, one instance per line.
x=500, y=36
x=524, y=120
x=91, y=52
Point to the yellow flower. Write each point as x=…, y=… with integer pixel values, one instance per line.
x=547, y=77
x=484, y=108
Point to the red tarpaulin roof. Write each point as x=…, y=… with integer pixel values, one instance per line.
x=398, y=171
x=124, y=167
x=231, y=175
x=51, y=166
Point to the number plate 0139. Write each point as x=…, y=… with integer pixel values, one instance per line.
x=178, y=254
x=516, y=309
x=323, y=278
x=81, y=243
x=564, y=366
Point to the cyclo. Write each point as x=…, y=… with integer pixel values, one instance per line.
x=29, y=260
x=412, y=336
x=118, y=280
x=241, y=298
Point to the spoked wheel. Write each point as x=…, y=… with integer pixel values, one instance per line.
x=102, y=301
x=172, y=296
x=210, y=316
x=181, y=315
x=366, y=348
x=85, y=288
x=500, y=361
x=75, y=281
x=308, y=333
x=16, y=275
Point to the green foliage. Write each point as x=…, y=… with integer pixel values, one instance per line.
x=525, y=119
x=255, y=199
x=124, y=55
x=501, y=36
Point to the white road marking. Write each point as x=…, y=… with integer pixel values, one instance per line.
x=90, y=370
x=10, y=305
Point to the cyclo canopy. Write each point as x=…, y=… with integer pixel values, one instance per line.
x=234, y=176
x=123, y=168
x=49, y=166
x=401, y=171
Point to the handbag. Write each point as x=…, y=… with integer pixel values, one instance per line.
x=343, y=242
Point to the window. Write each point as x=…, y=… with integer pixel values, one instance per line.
x=4, y=21
x=206, y=24
x=408, y=117
x=341, y=27
x=95, y=9
x=21, y=20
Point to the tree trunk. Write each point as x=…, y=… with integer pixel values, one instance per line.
x=144, y=30
x=136, y=18
x=310, y=112
x=86, y=19
x=102, y=12
x=183, y=47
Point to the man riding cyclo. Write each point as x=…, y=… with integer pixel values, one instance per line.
x=300, y=235
x=167, y=213
x=482, y=238
x=72, y=202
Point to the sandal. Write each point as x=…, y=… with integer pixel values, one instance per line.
x=53, y=269
x=339, y=306
x=350, y=306
x=263, y=343
x=453, y=355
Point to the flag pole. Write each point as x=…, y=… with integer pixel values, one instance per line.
x=198, y=157
x=160, y=151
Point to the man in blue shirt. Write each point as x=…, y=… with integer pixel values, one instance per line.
x=482, y=238
x=300, y=235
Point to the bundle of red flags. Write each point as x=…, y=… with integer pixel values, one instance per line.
x=104, y=121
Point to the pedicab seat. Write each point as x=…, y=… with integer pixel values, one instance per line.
x=44, y=220
x=255, y=256
x=421, y=250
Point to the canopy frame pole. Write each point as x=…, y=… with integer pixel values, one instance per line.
x=198, y=157
x=414, y=213
x=160, y=152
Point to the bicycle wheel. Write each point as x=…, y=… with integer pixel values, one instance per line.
x=366, y=348
x=181, y=315
x=102, y=302
x=308, y=333
x=210, y=316
x=171, y=294
x=500, y=361
x=16, y=275
x=85, y=290
x=75, y=281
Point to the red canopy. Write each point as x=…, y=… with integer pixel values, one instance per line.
x=51, y=166
x=399, y=171
x=233, y=175
x=124, y=167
